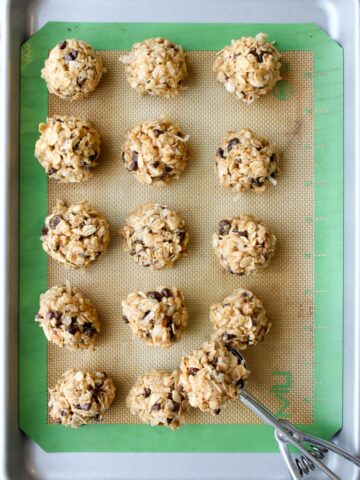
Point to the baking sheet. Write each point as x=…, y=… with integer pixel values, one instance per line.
x=280, y=388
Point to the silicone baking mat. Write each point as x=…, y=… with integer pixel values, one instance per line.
x=292, y=372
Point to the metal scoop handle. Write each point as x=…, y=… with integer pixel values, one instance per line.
x=286, y=433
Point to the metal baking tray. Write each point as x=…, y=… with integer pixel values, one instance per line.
x=20, y=457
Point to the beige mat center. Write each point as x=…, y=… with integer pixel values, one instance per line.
x=282, y=366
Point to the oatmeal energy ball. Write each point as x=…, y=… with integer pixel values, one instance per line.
x=240, y=320
x=212, y=376
x=158, y=317
x=249, y=67
x=80, y=397
x=73, y=70
x=155, y=236
x=68, y=148
x=75, y=235
x=155, y=66
x=156, y=152
x=68, y=318
x=246, y=161
x=243, y=244
x=157, y=399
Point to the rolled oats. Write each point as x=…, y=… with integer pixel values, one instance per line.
x=155, y=236
x=68, y=318
x=243, y=244
x=155, y=66
x=212, y=376
x=156, y=152
x=157, y=399
x=68, y=148
x=80, y=397
x=240, y=319
x=76, y=235
x=246, y=161
x=249, y=67
x=157, y=317
x=72, y=70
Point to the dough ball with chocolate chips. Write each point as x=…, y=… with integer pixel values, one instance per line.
x=240, y=320
x=68, y=318
x=157, y=317
x=249, y=67
x=81, y=397
x=68, y=148
x=155, y=236
x=155, y=66
x=246, y=161
x=72, y=70
x=157, y=399
x=75, y=236
x=243, y=244
x=212, y=376
x=156, y=152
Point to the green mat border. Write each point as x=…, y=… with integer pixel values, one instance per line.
x=328, y=291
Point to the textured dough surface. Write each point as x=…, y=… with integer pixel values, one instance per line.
x=246, y=161
x=155, y=66
x=158, y=399
x=68, y=148
x=243, y=244
x=155, y=152
x=72, y=70
x=155, y=236
x=76, y=235
x=80, y=397
x=249, y=67
x=212, y=376
x=240, y=319
x=158, y=317
x=68, y=318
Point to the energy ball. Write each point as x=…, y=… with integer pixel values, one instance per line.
x=155, y=236
x=157, y=399
x=68, y=148
x=249, y=67
x=80, y=397
x=157, y=317
x=68, y=318
x=246, y=161
x=156, y=152
x=72, y=70
x=243, y=244
x=212, y=376
x=75, y=236
x=155, y=66
x=240, y=320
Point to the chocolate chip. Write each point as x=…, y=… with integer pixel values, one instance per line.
x=71, y=56
x=73, y=328
x=256, y=182
x=224, y=227
x=126, y=320
x=62, y=44
x=193, y=370
x=175, y=406
x=181, y=235
x=85, y=406
x=63, y=413
x=273, y=174
x=156, y=407
x=158, y=132
x=240, y=383
x=155, y=295
x=233, y=141
x=54, y=221
x=147, y=392
x=165, y=292
x=49, y=315
x=169, y=420
x=273, y=157
x=155, y=164
x=220, y=153
x=51, y=171
x=89, y=329
x=133, y=166
x=44, y=231
x=217, y=411
x=167, y=169
x=259, y=56
x=241, y=233
x=57, y=315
